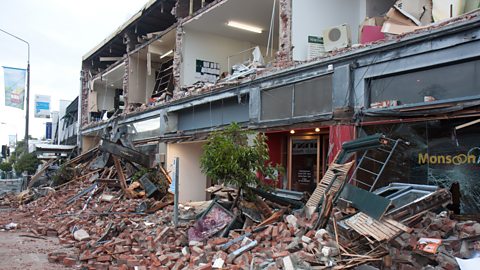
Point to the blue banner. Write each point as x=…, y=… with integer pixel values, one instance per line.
x=48, y=131
x=14, y=86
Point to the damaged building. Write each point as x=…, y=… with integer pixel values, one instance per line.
x=370, y=107
x=310, y=74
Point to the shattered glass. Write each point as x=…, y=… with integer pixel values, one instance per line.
x=437, y=155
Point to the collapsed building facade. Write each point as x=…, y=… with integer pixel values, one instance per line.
x=178, y=70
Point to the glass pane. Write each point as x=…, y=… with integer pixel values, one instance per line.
x=145, y=129
x=304, y=164
x=453, y=81
x=277, y=103
x=313, y=96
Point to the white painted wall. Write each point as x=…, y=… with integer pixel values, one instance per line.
x=105, y=96
x=207, y=47
x=311, y=17
x=192, y=181
x=137, y=82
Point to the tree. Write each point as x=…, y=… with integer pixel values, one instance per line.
x=6, y=166
x=26, y=162
x=229, y=158
x=23, y=161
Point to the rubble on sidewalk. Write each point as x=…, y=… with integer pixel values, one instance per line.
x=117, y=220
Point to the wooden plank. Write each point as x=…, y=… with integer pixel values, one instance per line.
x=121, y=177
x=327, y=179
x=379, y=230
x=375, y=227
x=39, y=173
x=399, y=225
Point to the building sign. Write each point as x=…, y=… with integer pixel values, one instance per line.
x=207, y=71
x=472, y=157
x=304, y=147
x=42, y=106
x=14, y=87
x=12, y=140
x=315, y=47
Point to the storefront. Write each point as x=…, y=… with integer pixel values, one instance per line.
x=444, y=153
x=303, y=155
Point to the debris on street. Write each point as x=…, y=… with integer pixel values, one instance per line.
x=119, y=215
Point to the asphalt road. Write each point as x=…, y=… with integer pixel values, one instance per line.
x=25, y=253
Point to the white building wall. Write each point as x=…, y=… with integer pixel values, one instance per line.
x=207, y=47
x=311, y=17
x=192, y=182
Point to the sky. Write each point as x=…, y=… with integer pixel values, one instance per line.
x=60, y=32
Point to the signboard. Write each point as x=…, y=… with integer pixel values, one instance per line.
x=12, y=140
x=14, y=87
x=42, y=106
x=207, y=71
x=315, y=47
x=304, y=176
x=48, y=131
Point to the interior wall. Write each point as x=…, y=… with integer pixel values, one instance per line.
x=378, y=8
x=207, y=47
x=192, y=182
x=89, y=142
x=150, y=81
x=105, y=96
x=311, y=17
x=137, y=83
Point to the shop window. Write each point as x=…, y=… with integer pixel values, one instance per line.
x=440, y=83
x=313, y=96
x=277, y=103
x=216, y=113
x=144, y=129
x=309, y=98
x=437, y=155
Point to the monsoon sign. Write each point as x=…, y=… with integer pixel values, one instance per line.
x=14, y=86
x=471, y=157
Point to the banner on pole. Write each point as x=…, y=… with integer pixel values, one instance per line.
x=14, y=86
x=42, y=106
x=48, y=131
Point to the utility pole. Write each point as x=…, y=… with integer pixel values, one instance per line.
x=27, y=101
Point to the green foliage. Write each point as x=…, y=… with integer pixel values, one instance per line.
x=64, y=174
x=6, y=166
x=228, y=158
x=26, y=162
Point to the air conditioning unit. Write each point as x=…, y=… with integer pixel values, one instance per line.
x=337, y=37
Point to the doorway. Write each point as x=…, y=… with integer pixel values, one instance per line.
x=306, y=161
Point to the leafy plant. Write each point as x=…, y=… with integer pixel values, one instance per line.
x=6, y=166
x=229, y=158
x=64, y=174
x=26, y=162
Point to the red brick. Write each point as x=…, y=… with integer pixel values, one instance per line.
x=281, y=254
x=104, y=258
x=69, y=262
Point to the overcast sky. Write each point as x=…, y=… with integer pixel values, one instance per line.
x=60, y=32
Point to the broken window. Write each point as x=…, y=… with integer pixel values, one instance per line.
x=145, y=129
x=215, y=113
x=441, y=83
x=438, y=155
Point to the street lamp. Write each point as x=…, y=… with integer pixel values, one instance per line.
x=28, y=88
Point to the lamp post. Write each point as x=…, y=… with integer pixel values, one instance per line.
x=28, y=88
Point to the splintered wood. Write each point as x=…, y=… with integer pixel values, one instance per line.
x=383, y=230
x=322, y=186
